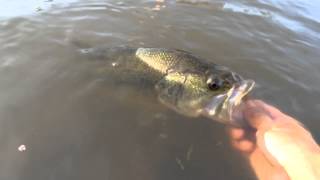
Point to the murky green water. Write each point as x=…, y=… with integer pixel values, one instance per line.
x=78, y=123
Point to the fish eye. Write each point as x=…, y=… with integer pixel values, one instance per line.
x=214, y=84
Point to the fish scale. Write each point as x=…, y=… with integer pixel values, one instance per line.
x=159, y=61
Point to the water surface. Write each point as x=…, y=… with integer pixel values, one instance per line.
x=78, y=123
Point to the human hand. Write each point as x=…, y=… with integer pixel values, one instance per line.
x=277, y=146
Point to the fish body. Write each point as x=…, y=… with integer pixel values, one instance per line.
x=186, y=83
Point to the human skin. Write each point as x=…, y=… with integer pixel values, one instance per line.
x=277, y=146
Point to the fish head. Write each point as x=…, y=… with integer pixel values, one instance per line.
x=215, y=93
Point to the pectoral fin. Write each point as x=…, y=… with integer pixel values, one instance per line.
x=170, y=91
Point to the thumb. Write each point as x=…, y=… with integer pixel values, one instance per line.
x=256, y=115
x=260, y=119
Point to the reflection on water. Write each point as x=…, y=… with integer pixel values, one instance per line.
x=63, y=117
x=20, y=8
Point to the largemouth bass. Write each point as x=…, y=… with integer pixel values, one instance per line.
x=185, y=83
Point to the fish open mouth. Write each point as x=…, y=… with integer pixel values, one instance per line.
x=225, y=108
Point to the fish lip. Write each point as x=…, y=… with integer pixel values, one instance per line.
x=224, y=108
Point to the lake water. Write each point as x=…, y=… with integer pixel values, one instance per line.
x=61, y=117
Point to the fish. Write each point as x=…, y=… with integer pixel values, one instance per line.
x=186, y=83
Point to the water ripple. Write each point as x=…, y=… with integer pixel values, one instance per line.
x=294, y=25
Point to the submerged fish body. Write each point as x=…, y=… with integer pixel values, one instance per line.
x=188, y=84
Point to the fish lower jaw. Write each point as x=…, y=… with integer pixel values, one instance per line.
x=226, y=108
